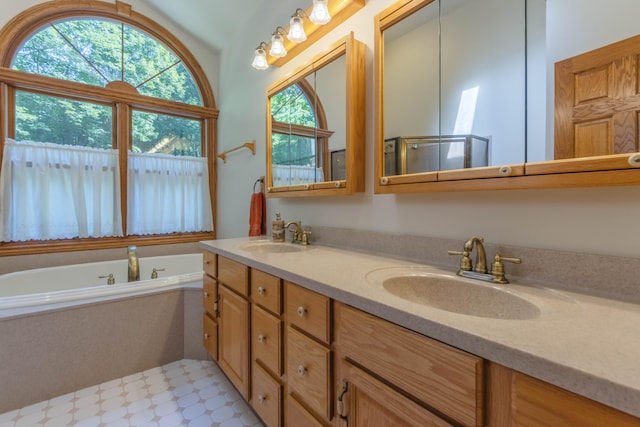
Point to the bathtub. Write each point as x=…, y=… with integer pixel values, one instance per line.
x=81, y=282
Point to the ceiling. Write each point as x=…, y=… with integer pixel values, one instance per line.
x=215, y=22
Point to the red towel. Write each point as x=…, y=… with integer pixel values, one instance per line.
x=256, y=214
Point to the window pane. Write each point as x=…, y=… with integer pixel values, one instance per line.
x=100, y=51
x=46, y=53
x=160, y=133
x=175, y=84
x=99, y=42
x=45, y=118
x=293, y=150
x=292, y=106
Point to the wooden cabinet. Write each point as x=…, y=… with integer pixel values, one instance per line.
x=309, y=357
x=516, y=399
x=440, y=377
x=233, y=323
x=289, y=350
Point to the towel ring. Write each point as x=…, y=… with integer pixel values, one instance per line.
x=259, y=180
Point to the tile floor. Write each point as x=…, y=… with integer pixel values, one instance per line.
x=192, y=393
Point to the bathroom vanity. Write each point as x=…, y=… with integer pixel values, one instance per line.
x=329, y=345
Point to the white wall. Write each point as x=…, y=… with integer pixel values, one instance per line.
x=596, y=220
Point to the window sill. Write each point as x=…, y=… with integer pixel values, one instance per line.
x=53, y=246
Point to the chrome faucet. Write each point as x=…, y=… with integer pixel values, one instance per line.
x=480, y=270
x=299, y=235
x=134, y=266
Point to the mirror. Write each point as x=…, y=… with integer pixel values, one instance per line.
x=315, y=126
x=466, y=97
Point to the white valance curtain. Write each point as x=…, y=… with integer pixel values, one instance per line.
x=168, y=194
x=293, y=174
x=52, y=191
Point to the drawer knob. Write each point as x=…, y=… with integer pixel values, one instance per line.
x=262, y=398
x=261, y=290
x=302, y=311
x=262, y=339
x=206, y=336
x=207, y=262
x=206, y=294
x=302, y=370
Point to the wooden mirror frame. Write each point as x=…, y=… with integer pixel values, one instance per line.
x=577, y=172
x=354, y=52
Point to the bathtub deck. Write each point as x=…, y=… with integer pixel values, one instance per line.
x=183, y=393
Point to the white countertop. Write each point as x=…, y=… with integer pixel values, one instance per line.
x=585, y=344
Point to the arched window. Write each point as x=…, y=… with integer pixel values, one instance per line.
x=299, y=136
x=108, y=132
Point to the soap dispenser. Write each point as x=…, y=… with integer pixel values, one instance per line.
x=277, y=229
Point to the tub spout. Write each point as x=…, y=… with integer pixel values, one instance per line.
x=134, y=266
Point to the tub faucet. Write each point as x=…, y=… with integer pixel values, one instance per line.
x=134, y=266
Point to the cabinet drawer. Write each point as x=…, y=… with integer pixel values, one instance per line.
x=445, y=378
x=266, y=291
x=266, y=339
x=234, y=275
x=308, y=311
x=266, y=396
x=309, y=371
x=210, y=266
x=298, y=416
x=210, y=296
x=210, y=336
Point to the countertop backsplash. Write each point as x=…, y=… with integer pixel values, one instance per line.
x=606, y=276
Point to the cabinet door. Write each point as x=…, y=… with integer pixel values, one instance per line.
x=516, y=399
x=233, y=346
x=371, y=403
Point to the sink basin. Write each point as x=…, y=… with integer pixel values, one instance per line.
x=455, y=294
x=267, y=246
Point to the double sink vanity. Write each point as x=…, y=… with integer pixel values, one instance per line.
x=314, y=335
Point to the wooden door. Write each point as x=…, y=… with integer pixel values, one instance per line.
x=371, y=403
x=597, y=101
x=233, y=336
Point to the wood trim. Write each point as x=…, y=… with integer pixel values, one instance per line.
x=527, y=182
x=582, y=164
x=103, y=95
x=480, y=172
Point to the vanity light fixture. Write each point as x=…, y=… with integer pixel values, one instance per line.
x=296, y=32
x=306, y=25
x=260, y=58
x=319, y=15
x=277, y=48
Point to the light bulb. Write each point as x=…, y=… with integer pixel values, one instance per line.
x=320, y=12
x=277, y=46
x=296, y=30
x=260, y=60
